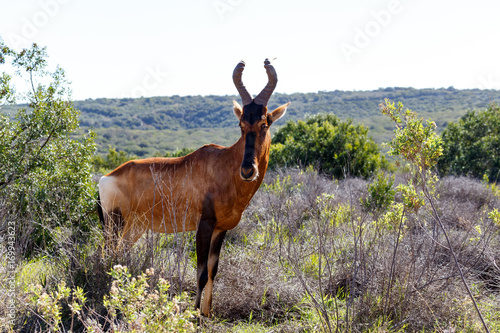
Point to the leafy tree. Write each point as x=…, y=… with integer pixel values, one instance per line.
x=472, y=145
x=45, y=169
x=338, y=148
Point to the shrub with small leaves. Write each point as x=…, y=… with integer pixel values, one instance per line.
x=495, y=216
x=392, y=217
x=48, y=304
x=420, y=146
x=414, y=141
x=135, y=307
x=45, y=170
x=380, y=194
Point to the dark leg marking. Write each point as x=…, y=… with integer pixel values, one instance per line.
x=203, y=238
x=213, y=264
x=215, y=248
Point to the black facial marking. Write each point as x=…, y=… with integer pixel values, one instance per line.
x=249, y=153
x=252, y=113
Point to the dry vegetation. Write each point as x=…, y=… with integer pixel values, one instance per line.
x=348, y=265
x=308, y=255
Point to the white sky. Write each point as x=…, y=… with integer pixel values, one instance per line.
x=156, y=48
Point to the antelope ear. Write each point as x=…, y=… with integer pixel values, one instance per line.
x=276, y=114
x=237, y=109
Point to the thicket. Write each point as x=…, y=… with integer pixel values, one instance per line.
x=335, y=147
x=45, y=172
x=309, y=255
x=472, y=145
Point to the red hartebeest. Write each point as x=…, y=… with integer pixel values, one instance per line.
x=207, y=190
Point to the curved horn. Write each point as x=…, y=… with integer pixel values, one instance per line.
x=266, y=93
x=246, y=98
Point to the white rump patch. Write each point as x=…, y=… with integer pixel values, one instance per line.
x=108, y=192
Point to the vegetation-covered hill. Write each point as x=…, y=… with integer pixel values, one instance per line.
x=187, y=112
x=152, y=125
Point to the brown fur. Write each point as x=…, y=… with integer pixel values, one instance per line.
x=178, y=187
x=202, y=191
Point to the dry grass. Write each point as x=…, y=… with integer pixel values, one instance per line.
x=307, y=257
x=404, y=275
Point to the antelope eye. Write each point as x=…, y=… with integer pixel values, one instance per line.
x=264, y=126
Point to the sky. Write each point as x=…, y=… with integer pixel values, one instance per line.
x=117, y=49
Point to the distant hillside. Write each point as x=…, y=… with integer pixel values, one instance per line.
x=145, y=126
x=187, y=112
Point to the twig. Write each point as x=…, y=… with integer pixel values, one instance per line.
x=393, y=263
x=438, y=219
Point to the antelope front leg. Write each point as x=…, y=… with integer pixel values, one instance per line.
x=203, y=239
x=213, y=263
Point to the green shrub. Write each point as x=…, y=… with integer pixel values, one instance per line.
x=472, y=145
x=132, y=306
x=112, y=160
x=335, y=147
x=380, y=194
x=45, y=173
x=141, y=309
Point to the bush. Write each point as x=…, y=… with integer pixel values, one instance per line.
x=113, y=159
x=472, y=145
x=335, y=147
x=45, y=174
x=132, y=306
x=380, y=194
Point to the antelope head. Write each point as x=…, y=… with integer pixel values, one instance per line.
x=255, y=121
